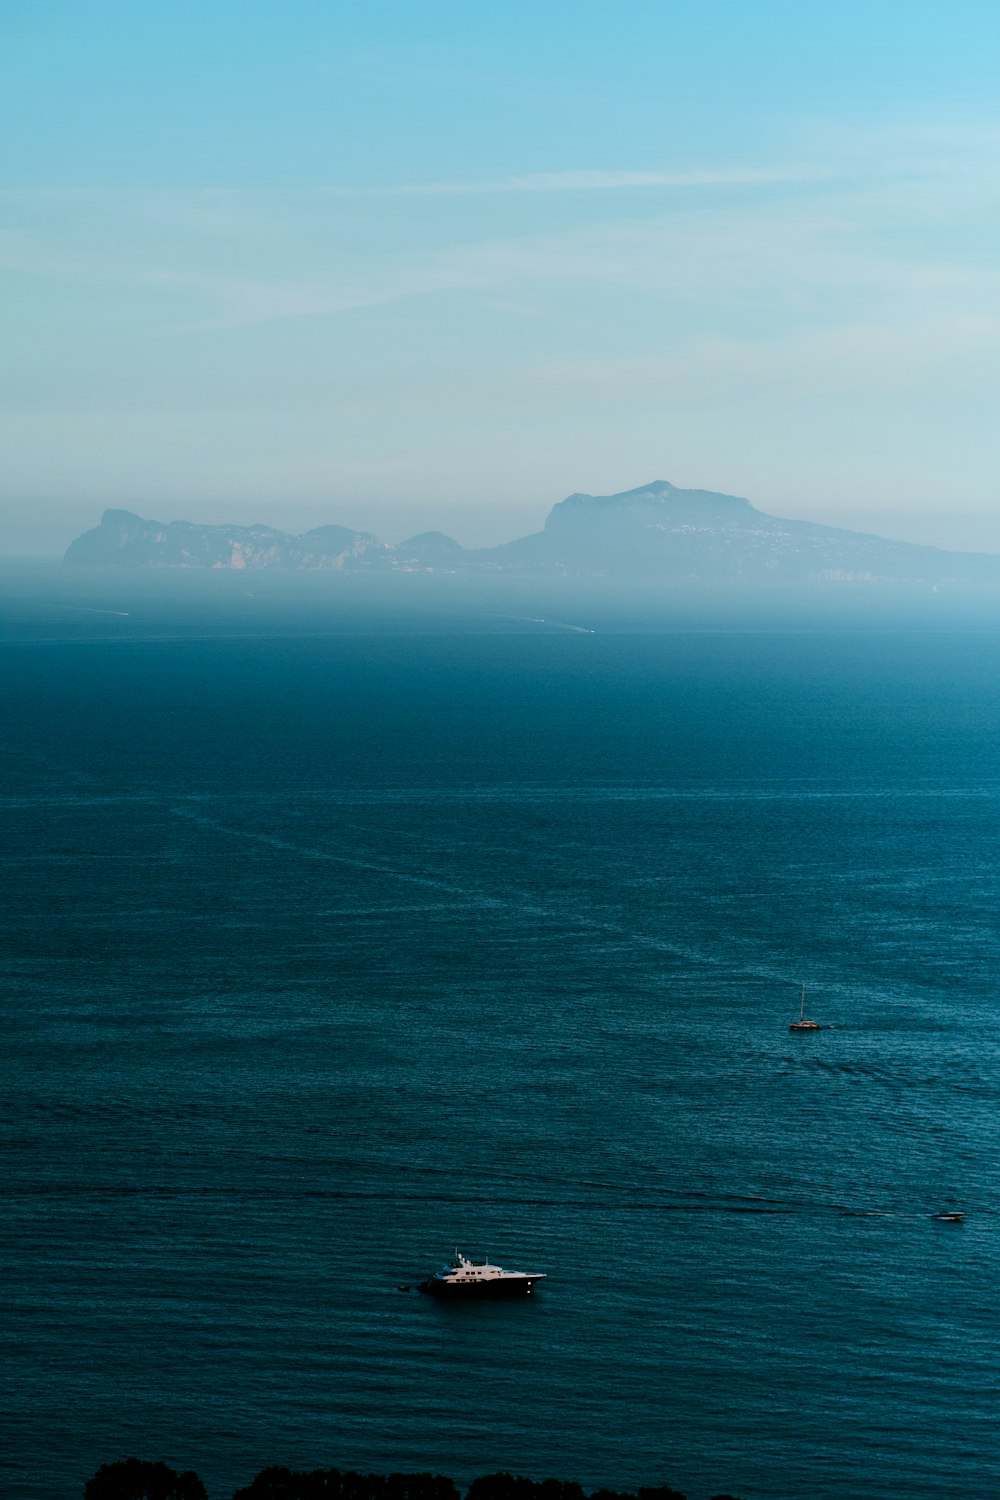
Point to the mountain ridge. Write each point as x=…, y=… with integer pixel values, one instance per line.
x=655, y=531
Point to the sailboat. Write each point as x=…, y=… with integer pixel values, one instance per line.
x=803, y=1024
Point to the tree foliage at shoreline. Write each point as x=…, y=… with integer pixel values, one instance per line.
x=134, y=1479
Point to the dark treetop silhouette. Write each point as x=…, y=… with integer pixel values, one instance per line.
x=132, y=1479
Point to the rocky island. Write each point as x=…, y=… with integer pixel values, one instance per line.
x=655, y=532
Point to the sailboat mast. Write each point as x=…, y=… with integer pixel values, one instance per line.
x=802, y=1004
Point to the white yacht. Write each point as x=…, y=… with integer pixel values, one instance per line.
x=477, y=1278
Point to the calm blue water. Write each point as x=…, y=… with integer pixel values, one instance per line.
x=327, y=954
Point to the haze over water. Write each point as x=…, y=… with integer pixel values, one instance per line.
x=332, y=947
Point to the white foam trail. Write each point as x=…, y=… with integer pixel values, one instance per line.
x=552, y=624
x=470, y=897
x=83, y=609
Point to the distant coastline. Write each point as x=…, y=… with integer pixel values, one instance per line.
x=655, y=533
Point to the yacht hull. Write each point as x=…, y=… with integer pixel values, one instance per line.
x=505, y=1286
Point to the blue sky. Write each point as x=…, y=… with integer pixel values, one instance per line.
x=438, y=265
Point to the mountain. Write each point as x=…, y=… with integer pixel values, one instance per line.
x=660, y=531
x=657, y=532
x=130, y=541
x=431, y=551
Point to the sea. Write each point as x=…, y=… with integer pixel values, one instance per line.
x=341, y=932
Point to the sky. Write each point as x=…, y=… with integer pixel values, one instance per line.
x=403, y=265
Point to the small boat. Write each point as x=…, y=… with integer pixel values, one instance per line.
x=953, y=1216
x=803, y=1023
x=477, y=1278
